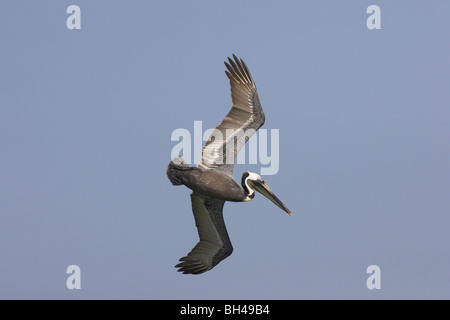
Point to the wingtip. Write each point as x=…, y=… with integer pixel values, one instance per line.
x=191, y=266
x=238, y=71
x=192, y=269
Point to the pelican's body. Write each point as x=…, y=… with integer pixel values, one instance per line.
x=212, y=180
x=205, y=182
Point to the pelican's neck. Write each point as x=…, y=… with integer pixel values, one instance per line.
x=250, y=191
x=246, y=177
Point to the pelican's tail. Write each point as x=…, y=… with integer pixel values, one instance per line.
x=173, y=170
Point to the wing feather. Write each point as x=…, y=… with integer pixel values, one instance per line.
x=242, y=121
x=214, y=244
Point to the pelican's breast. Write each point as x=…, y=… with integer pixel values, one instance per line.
x=216, y=185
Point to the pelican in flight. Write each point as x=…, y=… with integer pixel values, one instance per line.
x=212, y=180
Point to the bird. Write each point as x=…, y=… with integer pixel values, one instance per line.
x=212, y=182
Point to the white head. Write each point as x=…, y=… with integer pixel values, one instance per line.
x=252, y=181
x=246, y=178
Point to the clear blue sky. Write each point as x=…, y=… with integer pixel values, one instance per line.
x=86, y=118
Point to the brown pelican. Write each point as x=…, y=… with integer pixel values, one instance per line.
x=212, y=180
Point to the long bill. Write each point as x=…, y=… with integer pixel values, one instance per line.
x=264, y=189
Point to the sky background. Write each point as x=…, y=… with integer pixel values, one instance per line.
x=86, y=118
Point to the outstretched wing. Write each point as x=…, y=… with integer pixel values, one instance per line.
x=214, y=244
x=244, y=119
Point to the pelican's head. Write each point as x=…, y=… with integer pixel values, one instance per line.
x=252, y=181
